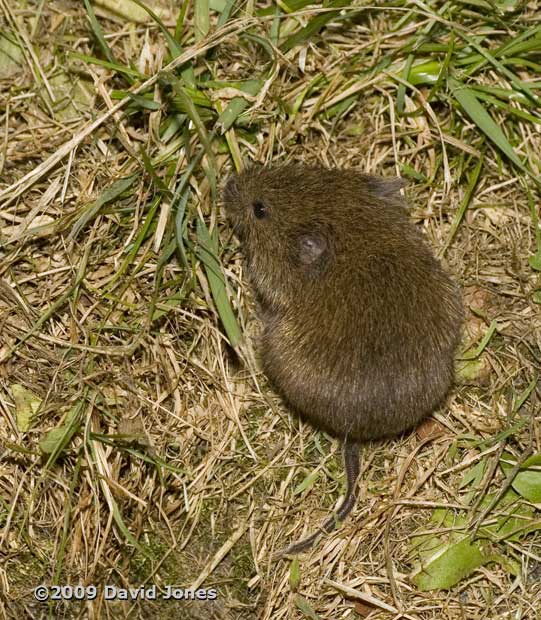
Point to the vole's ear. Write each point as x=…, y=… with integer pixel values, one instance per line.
x=386, y=187
x=310, y=247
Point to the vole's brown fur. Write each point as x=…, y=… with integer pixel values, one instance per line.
x=360, y=322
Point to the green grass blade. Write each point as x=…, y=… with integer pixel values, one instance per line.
x=179, y=226
x=201, y=19
x=472, y=184
x=444, y=69
x=306, y=609
x=226, y=12
x=260, y=41
x=193, y=115
x=274, y=34
x=518, y=84
x=313, y=26
x=113, y=507
x=180, y=20
x=138, y=241
x=109, y=195
x=401, y=93
x=197, y=97
x=469, y=102
x=470, y=355
x=502, y=93
x=535, y=260
x=149, y=167
x=114, y=66
x=68, y=511
x=509, y=109
x=178, y=205
x=174, y=47
x=143, y=103
x=525, y=394
x=207, y=253
x=98, y=33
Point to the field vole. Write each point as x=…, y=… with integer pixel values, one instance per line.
x=360, y=322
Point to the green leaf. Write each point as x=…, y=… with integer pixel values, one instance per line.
x=407, y=171
x=450, y=564
x=144, y=103
x=469, y=370
x=58, y=438
x=217, y=5
x=475, y=473
x=72, y=95
x=306, y=608
x=512, y=566
x=447, y=518
x=527, y=482
x=535, y=262
x=515, y=525
x=294, y=575
x=26, y=406
x=524, y=395
x=307, y=483
x=11, y=55
x=201, y=19
x=475, y=353
x=424, y=73
x=237, y=105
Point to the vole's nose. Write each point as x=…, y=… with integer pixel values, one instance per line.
x=231, y=189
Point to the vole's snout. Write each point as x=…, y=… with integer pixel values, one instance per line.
x=232, y=199
x=231, y=190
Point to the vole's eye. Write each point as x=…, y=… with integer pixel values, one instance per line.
x=260, y=210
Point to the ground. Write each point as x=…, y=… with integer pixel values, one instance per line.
x=140, y=444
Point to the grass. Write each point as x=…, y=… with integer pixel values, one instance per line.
x=139, y=443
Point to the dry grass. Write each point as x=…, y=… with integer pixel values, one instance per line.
x=171, y=462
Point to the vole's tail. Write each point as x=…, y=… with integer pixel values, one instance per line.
x=352, y=467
